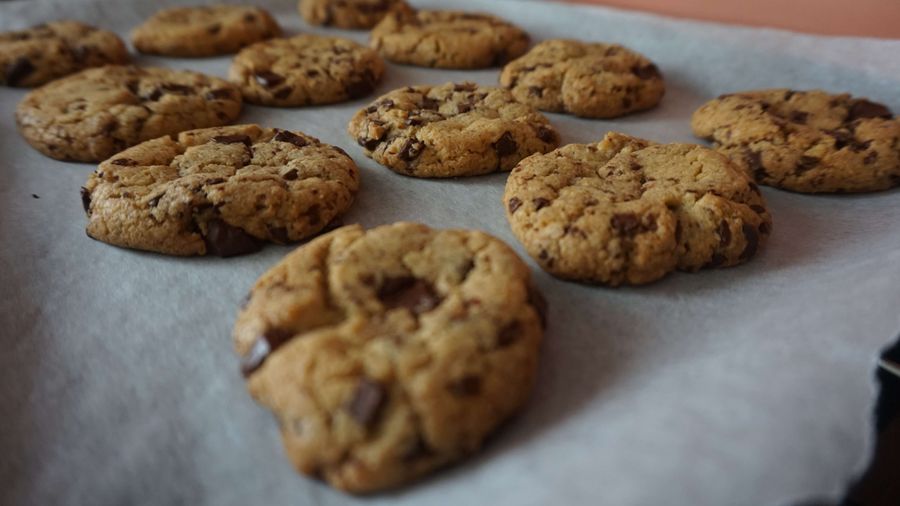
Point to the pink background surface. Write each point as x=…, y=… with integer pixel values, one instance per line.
x=872, y=18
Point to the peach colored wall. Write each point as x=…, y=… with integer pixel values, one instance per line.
x=873, y=18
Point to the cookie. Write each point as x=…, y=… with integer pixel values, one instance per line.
x=451, y=130
x=448, y=39
x=626, y=210
x=204, y=31
x=385, y=354
x=92, y=115
x=306, y=70
x=591, y=80
x=46, y=52
x=353, y=14
x=219, y=191
x=805, y=141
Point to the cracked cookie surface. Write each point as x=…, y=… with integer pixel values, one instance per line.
x=45, y=52
x=96, y=113
x=591, y=80
x=204, y=31
x=385, y=354
x=353, y=14
x=626, y=210
x=220, y=191
x=805, y=141
x=306, y=70
x=448, y=39
x=460, y=129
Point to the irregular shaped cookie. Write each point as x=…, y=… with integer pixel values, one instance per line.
x=96, y=113
x=585, y=79
x=626, y=210
x=348, y=13
x=448, y=39
x=385, y=354
x=204, y=31
x=220, y=191
x=305, y=70
x=805, y=141
x=45, y=52
x=451, y=130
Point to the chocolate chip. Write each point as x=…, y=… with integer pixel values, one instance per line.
x=269, y=79
x=214, y=28
x=414, y=294
x=841, y=139
x=124, y=161
x=178, y=89
x=226, y=240
x=764, y=228
x=313, y=214
x=367, y=401
x=789, y=94
x=286, y=136
x=724, y=233
x=870, y=158
x=752, y=238
x=264, y=345
x=411, y=150
x=535, y=91
x=806, y=163
x=755, y=188
x=466, y=386
x=233, y=139
x=86, y=199
x=545, y=134
x=362, y=86
x=505, y=145
x=539, y=303
x=645, y=72
x=464, y=87
x=418, y=450
x=155, y=200
x=219, y=94
x=290, y=175
x=865, y=109
x=509, y=334
x=283, y=93
x=368, y=143
x=540, y=203
x=758, y=209
x=513, y=204
x=429, y=104
x=462, y=108
x=279, y=234
x=155, y=95
x=798, y=117
x=18, y=70
x=715, y=261
x=754, y=162
x=626, y=223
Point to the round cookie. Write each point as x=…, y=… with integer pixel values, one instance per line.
x=45, y=52
x=96, y=113
x=626, y=210
x=591, y=80
x=204, y=31
x=385, y=354
x=448, y=39
x=220, y=191
x=451, y=130
x=353, y=14
x=805, y=141
x=306, y=70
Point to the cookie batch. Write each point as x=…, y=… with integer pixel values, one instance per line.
x=388, y=353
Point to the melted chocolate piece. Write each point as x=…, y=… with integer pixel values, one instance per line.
x=226, y=240
x=414, y=294
x=86, y=199
x=724, y=233
x=269, y=79
x=290, y=137
x=124, y=161
x=540, y=203
x=547, y=135
x=645, y=72
x=752, y=237
x=18, y=70
x=233, y=139
x=367, y=401
x=513, y=204
x=505, y=145
x=509, y=334
x=264, y=345
x=865, y=109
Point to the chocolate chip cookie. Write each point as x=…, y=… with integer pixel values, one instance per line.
x=45, y=52
x=219, y=191
x=805, y=141
x=591, y=80
x=96, y=113
x=448, y=39
x=626, y=210
x=204, y=31
x=451, y=130
x=385, y=354
x=348, y=13
x=306, y=70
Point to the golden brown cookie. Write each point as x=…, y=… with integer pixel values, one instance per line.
x=626, y=210
x=353, y=14
x=388, y=353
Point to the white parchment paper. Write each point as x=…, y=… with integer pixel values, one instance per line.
x=745, y=386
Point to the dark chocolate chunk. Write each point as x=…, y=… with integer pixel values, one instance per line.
x=862, y=109
x=626, y=223
x=269, y=79
x=283, y=93
x=724, y=233
x=513, y=204
x=414, y=294
x=279, y=234
x=264, y=345
x=362, y=86
x=754, y=162
x=870, y=158
x=226, y=240
x=418, y=450
x=368, y=143
x=18, y=70
x=466, y=386
x=219, y=94
x=758, y=209
x=124, y=161
x=509, y=334
x=177, y=89
x=716, y=260
x=752, y=237
x=155, y=200
x=806, y=163
x=290, y=175
x=286, y=136
x=367, y=401
x=233, y=139
x=798, y=117
x=155, y=95
x=464, y=87
x=545, y=134
x=505, y=145
x=86, y=199
x=645, y=72
x=411, y=150
x=540, y=203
